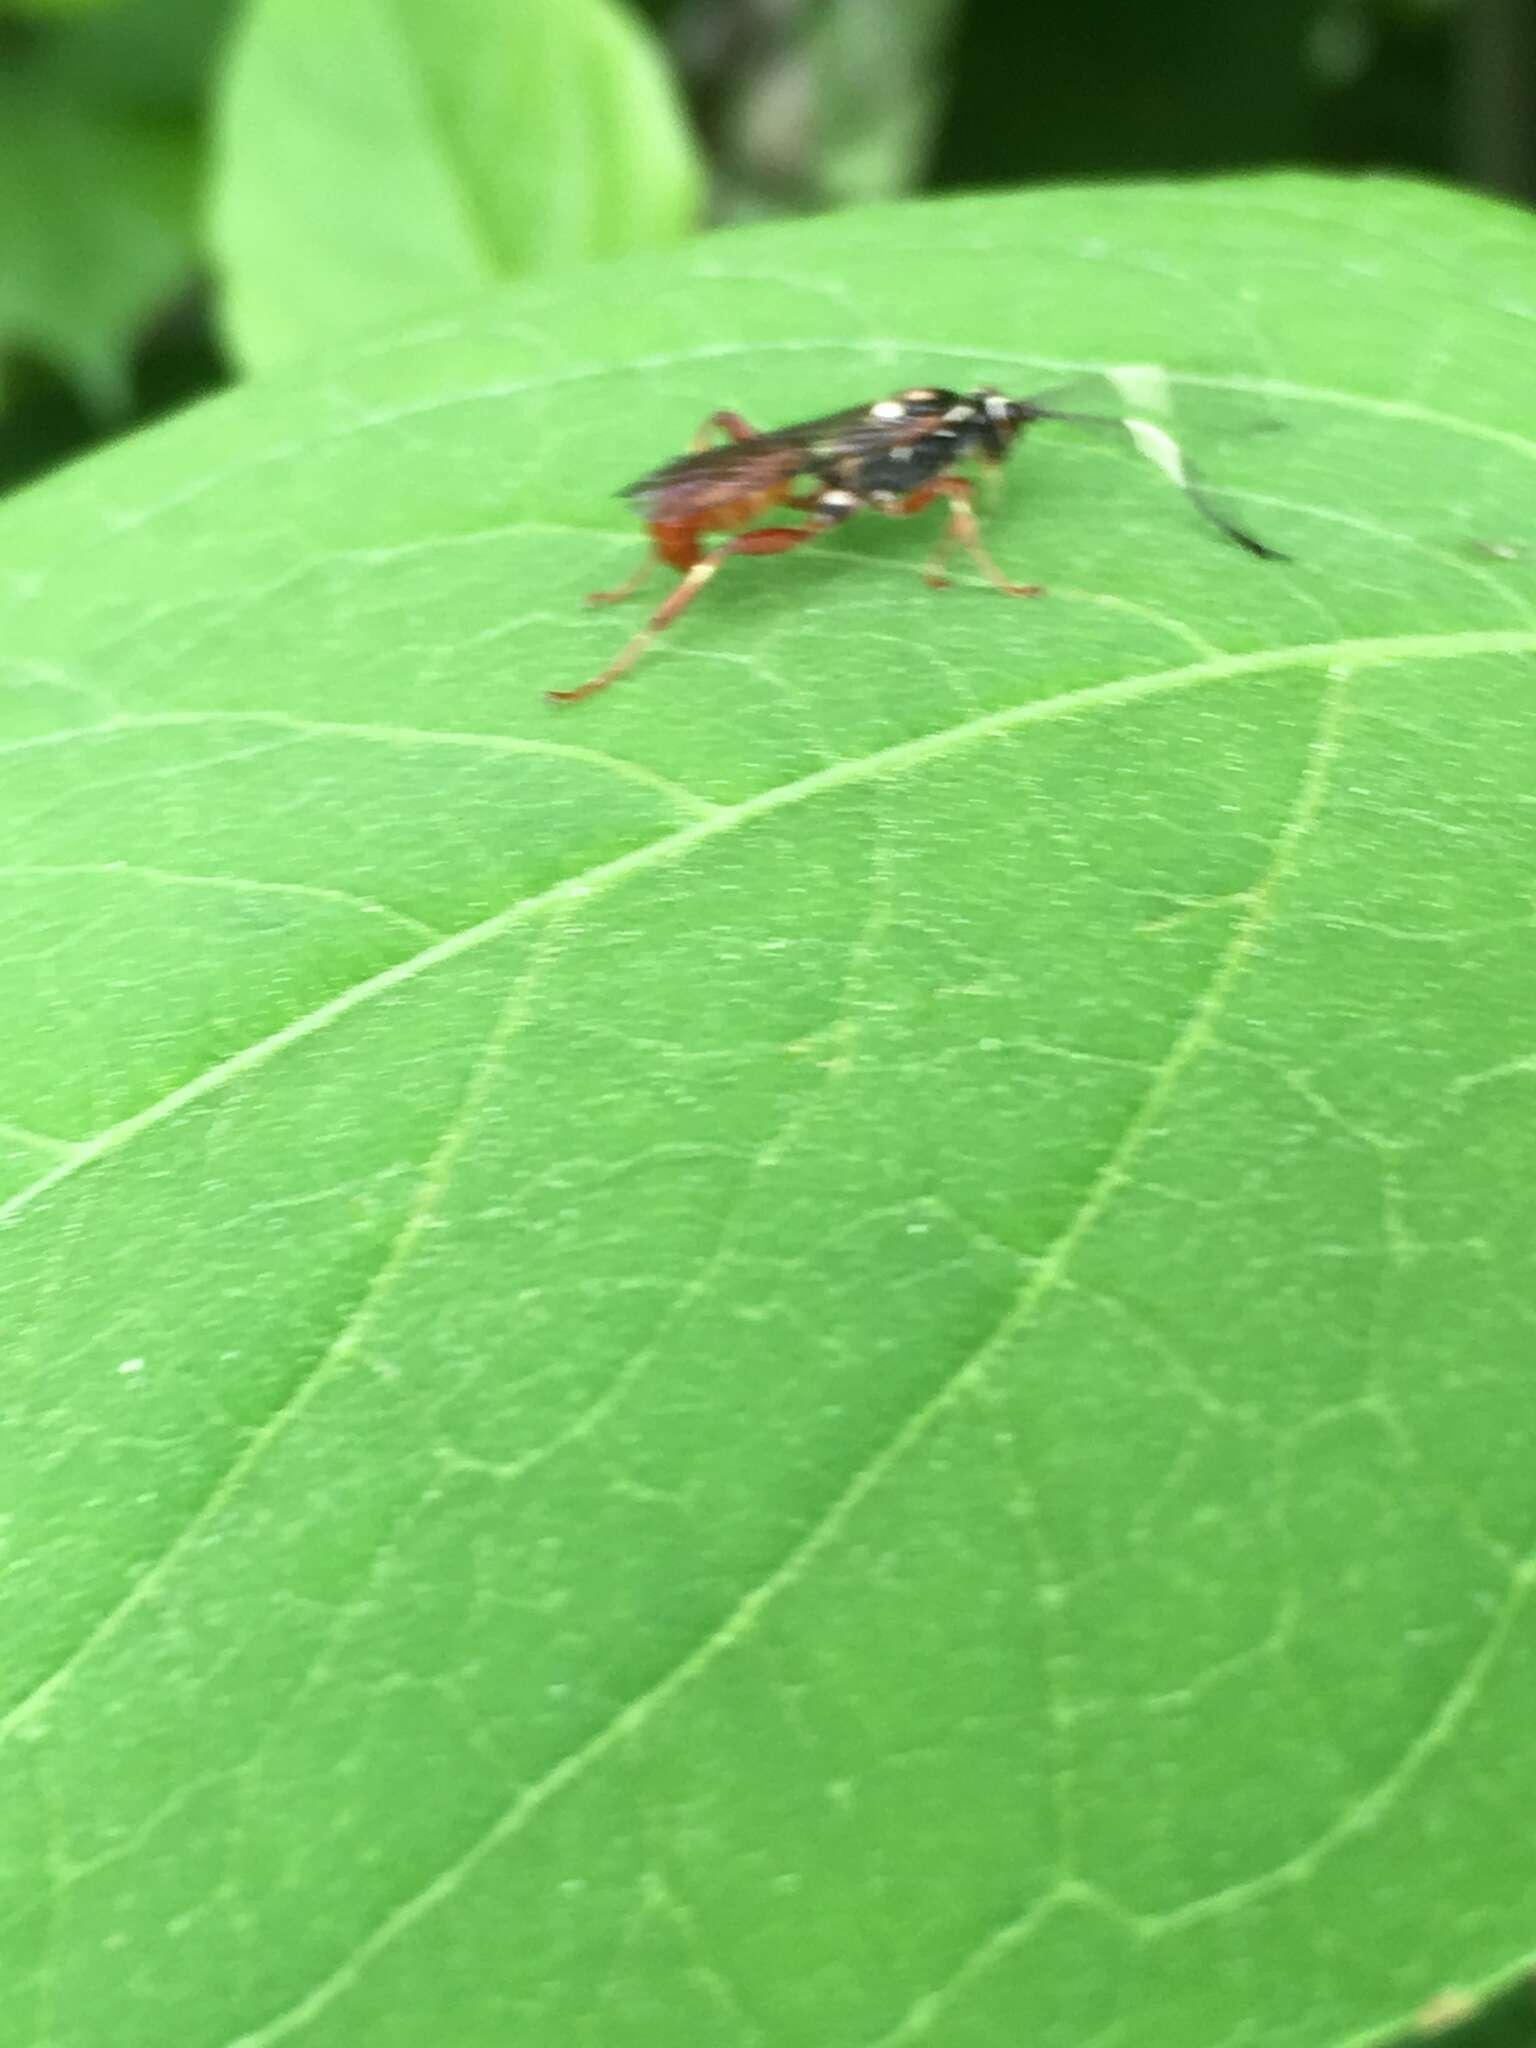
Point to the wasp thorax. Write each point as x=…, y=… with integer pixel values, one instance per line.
x=898, y=455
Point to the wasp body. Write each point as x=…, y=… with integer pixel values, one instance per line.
x=897, y=456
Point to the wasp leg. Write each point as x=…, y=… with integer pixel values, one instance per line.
x=964, y=531
x=731, y=424
x=674, y=542
x=766, y=540
x=628, y=587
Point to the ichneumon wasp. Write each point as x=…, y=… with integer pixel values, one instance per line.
x=897, y=456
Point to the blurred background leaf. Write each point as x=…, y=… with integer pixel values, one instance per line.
x=58, y=7
x=872, y=145
x=77, y=280
x=150, y=57
x=375, y=155
x=806, y=106
x=101, y=171
x=97, y=204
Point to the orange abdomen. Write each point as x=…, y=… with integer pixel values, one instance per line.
x=677, y=538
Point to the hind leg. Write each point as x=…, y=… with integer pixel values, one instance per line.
x=731, y=424
x=765, y=540
x=673, y=541
x=628, y=587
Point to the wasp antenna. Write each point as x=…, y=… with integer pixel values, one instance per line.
x=1034, y=409
x=1160, y=448
x=1032, y=406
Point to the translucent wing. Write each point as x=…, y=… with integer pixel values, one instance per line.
x=692, y=484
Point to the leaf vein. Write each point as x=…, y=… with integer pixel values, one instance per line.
x=897, y=759
x=435, y=1175
x=1192, y=1039
x=236, y=884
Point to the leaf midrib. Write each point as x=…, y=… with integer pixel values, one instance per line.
x=893, y=760
x=1341, y=658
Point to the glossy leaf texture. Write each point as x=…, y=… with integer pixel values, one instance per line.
x=374, y=155
x=834, y=1351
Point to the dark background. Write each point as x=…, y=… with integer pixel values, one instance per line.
x=807, y=104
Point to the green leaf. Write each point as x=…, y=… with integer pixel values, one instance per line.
x=377, y=155
x=148, y=57
x=95, y=225
x=100, y=179
x=43, y=8
x=833, y=1352
x=872, y=145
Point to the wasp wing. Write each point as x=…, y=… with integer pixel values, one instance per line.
x=694, y=485
x=735, y=470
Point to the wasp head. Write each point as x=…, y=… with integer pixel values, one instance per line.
x=981, y=422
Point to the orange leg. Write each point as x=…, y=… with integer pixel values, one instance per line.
x=766, y=540
x=731, y=424
x=963, y=531
x=735, y=428
x=673, y=541
x=991, y=480
x=628, y=587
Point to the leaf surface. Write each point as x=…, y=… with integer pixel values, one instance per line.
x=833, y=1352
